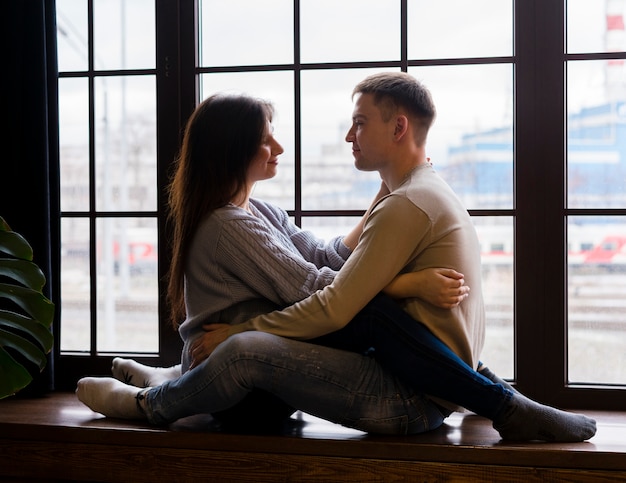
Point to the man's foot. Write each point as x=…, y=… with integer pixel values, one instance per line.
x=526, y=420
x=140, y=375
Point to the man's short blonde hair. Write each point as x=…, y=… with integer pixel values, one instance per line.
x=395, y=91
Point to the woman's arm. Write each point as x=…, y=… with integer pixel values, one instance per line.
x=443, y=287
x=251, y=253
x=331, y=254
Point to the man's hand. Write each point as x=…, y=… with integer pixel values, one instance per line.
x=204, y=345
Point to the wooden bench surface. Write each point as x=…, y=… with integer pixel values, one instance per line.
x=56, y=435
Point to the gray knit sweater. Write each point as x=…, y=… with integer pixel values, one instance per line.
x=241, y=265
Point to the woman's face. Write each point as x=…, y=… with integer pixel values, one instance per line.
x=265, y=162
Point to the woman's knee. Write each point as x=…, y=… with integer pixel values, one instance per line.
x=250, y=342
x=251, y=348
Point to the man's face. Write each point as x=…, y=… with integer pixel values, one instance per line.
x=370, y=135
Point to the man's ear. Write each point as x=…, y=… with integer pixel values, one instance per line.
x=401, y=127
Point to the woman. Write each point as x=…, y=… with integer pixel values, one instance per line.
x=228, y=252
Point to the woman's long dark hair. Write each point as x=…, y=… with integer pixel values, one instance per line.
x=221, y=138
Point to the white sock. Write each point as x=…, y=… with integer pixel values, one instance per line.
x=110, y=397
x=140, y=375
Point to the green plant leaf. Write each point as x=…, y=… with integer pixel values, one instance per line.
x=32, y=327
x=13, y=376
x=23, y=271
x=31, y=301
x=25, y=347
x=15, y=244
x=27, y=334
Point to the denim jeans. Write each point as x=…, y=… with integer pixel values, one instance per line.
x=410, y=351
x=340, y=386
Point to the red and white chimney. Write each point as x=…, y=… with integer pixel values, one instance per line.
x=615, y=41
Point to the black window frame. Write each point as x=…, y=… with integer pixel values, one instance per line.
x=540, y=211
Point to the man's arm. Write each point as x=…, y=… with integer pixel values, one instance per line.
x=443, y=287
x=387, y=245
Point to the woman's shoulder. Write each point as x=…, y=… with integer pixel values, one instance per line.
x=220, y=218
x=268, y=209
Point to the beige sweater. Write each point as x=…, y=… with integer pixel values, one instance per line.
x=421, y=224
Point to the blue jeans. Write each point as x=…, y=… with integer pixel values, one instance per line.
x=410, y=351
x=343, y=387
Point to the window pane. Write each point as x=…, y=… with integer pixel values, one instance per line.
x=595, y=26
x=327, y=227
x=124, y=34
x=349, y=30
x=597, y=299
x=329, y=179
x=276, y=87
x=75, y=285
x=471, y=141
x=458, y=28
x=71, y=35
x=596, y=134
x=74, y=144
x=495, y=235
x=126, y=143
x=127, y=285
x=246, y=32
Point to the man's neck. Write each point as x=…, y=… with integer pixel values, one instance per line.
x=399, y=172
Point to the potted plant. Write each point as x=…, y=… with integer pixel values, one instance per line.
x=25, y=314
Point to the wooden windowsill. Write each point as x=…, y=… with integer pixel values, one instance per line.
x=57, y=438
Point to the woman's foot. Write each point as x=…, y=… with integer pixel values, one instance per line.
x=110, y=397
x=139, y=375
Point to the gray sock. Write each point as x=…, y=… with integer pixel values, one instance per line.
x=523, y=419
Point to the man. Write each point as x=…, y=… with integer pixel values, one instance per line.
x=420, y=224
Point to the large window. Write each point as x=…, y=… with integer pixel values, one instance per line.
x=529, y=133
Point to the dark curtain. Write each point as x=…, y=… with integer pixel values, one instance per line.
x=29, y=167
